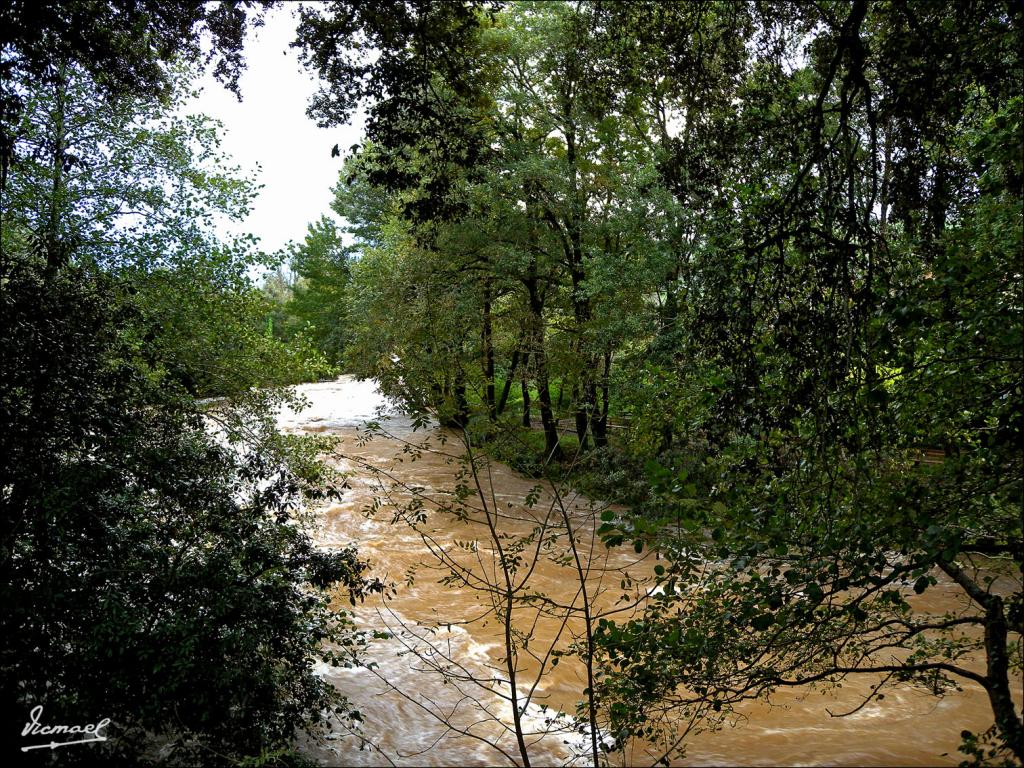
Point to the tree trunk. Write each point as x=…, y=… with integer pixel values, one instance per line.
x=576, y=258
x=488, y=345
x=997, y=658
x=587, y=415
x=510, y=376
x=547, y=419
x=582, y=417
x=453, y=408
x=599, y=421
x=999, y=695
x=526, y=403
x=461, y=417
x=552, y=449
x=551, y=446
x=54, y=250
x=503, y=400
x=586, y=403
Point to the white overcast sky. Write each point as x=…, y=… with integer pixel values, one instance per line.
x=269, y=128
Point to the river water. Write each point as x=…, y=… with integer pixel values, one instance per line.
x=437, y=691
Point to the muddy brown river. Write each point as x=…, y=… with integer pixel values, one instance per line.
x=437, y=691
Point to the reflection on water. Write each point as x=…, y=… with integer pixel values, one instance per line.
x=446, y=660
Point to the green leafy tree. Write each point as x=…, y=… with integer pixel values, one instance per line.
x=552, y=240
x=138, y=192
x=126, y=47
x=416, y=67
x=153, y=572
x=848, y=315
x=318, y=300
x=409, y=323
x=150, y=574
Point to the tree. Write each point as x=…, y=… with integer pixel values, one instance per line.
x=419, y=354
x=138, y=193
x=839, y=329
x=560, y=200
x=154, y=571
x=150, y=575
x=321, y=263
x=421, y=82
x=833, y=294
x=126, y=182
x=125, y=47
